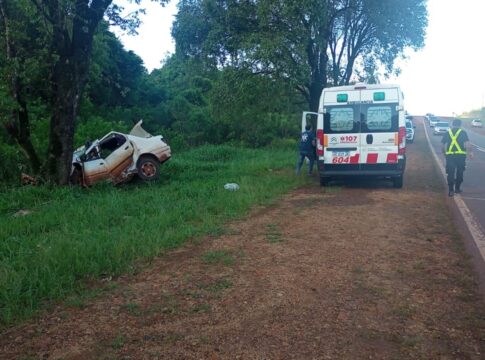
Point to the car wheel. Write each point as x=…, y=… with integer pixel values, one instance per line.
x=148, y=168
x=397, y=182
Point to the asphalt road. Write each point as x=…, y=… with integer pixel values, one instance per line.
x=474, y=178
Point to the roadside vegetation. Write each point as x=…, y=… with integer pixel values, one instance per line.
x=63, y=236
x=242, y=72
x=227, y=101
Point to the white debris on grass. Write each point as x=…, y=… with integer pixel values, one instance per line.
x=231, y=186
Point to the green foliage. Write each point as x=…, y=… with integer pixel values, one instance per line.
x=74, y=234
x=115, y=74
x=96, y=127
x=10, y=164
x=306, y=43
x=254, y=110
x=187, y=102
x=177, y=98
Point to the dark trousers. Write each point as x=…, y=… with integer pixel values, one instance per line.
x=311, y=159
x=455, y=166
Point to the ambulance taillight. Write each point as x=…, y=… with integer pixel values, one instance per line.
x=320, y=142
x=401, y=142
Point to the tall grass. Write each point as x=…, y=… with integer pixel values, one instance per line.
x=73, y=234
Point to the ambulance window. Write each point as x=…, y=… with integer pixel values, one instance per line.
x=341, y=119
x=379, y=118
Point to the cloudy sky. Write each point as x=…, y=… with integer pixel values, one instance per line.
x=447, y=76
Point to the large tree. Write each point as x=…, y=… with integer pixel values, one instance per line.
x=71, y=26
x=309, y=43
x=373, y=33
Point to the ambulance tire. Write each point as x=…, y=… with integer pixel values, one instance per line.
x=397, y=182
x=323, y=181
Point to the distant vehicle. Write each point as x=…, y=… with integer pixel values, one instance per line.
x=409, y=131
x=118, y=157
x=441, y=128
x=477, y=123
x=433, y=120
x=360, y=131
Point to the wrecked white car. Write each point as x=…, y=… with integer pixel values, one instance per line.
x=118, y=157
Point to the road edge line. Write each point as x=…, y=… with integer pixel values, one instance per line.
x=472, y=225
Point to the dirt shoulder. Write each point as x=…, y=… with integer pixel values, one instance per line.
x=353, y=271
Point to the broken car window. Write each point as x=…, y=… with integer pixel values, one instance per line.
x=110, y=144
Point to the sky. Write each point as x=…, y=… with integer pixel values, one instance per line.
x=446, y=77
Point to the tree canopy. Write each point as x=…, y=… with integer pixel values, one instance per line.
x=310, y=44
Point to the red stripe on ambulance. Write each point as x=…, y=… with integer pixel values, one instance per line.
x=371, y=158
x=354, y=159
x=391, y=158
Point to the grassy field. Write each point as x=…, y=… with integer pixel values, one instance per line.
x=67, y=236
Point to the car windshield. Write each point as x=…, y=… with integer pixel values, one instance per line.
x=442, y=124
x=477, y=121
x=409, y=124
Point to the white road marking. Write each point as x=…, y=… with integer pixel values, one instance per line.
x=471, y=222
x=479, y=148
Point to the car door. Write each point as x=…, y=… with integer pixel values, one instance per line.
x=94, y=167
x=117, y=153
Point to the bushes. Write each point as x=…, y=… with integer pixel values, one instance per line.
x=254, y=110
x=12, y=163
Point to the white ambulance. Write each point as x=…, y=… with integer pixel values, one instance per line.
x=360, y=131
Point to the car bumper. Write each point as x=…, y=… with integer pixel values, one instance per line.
x=377, y=170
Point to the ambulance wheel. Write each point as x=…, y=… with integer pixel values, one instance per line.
x=397, y=182
x=323, y=181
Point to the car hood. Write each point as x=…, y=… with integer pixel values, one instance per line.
x=76, y=155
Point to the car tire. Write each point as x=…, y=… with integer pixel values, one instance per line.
x=148, y=168
x=324, y=181
x=397, y=182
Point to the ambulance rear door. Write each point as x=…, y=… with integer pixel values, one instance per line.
x=379, y=129
x=341, y=126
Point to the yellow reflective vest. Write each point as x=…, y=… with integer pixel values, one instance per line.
x=454, y=144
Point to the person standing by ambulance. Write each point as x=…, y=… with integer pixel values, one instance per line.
x=454, y=145
x=307, y=149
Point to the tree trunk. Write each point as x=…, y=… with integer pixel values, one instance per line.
x=68, y=81
x=315, y=92
x=318, y=79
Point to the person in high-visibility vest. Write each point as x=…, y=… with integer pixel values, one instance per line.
x=455, y=146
